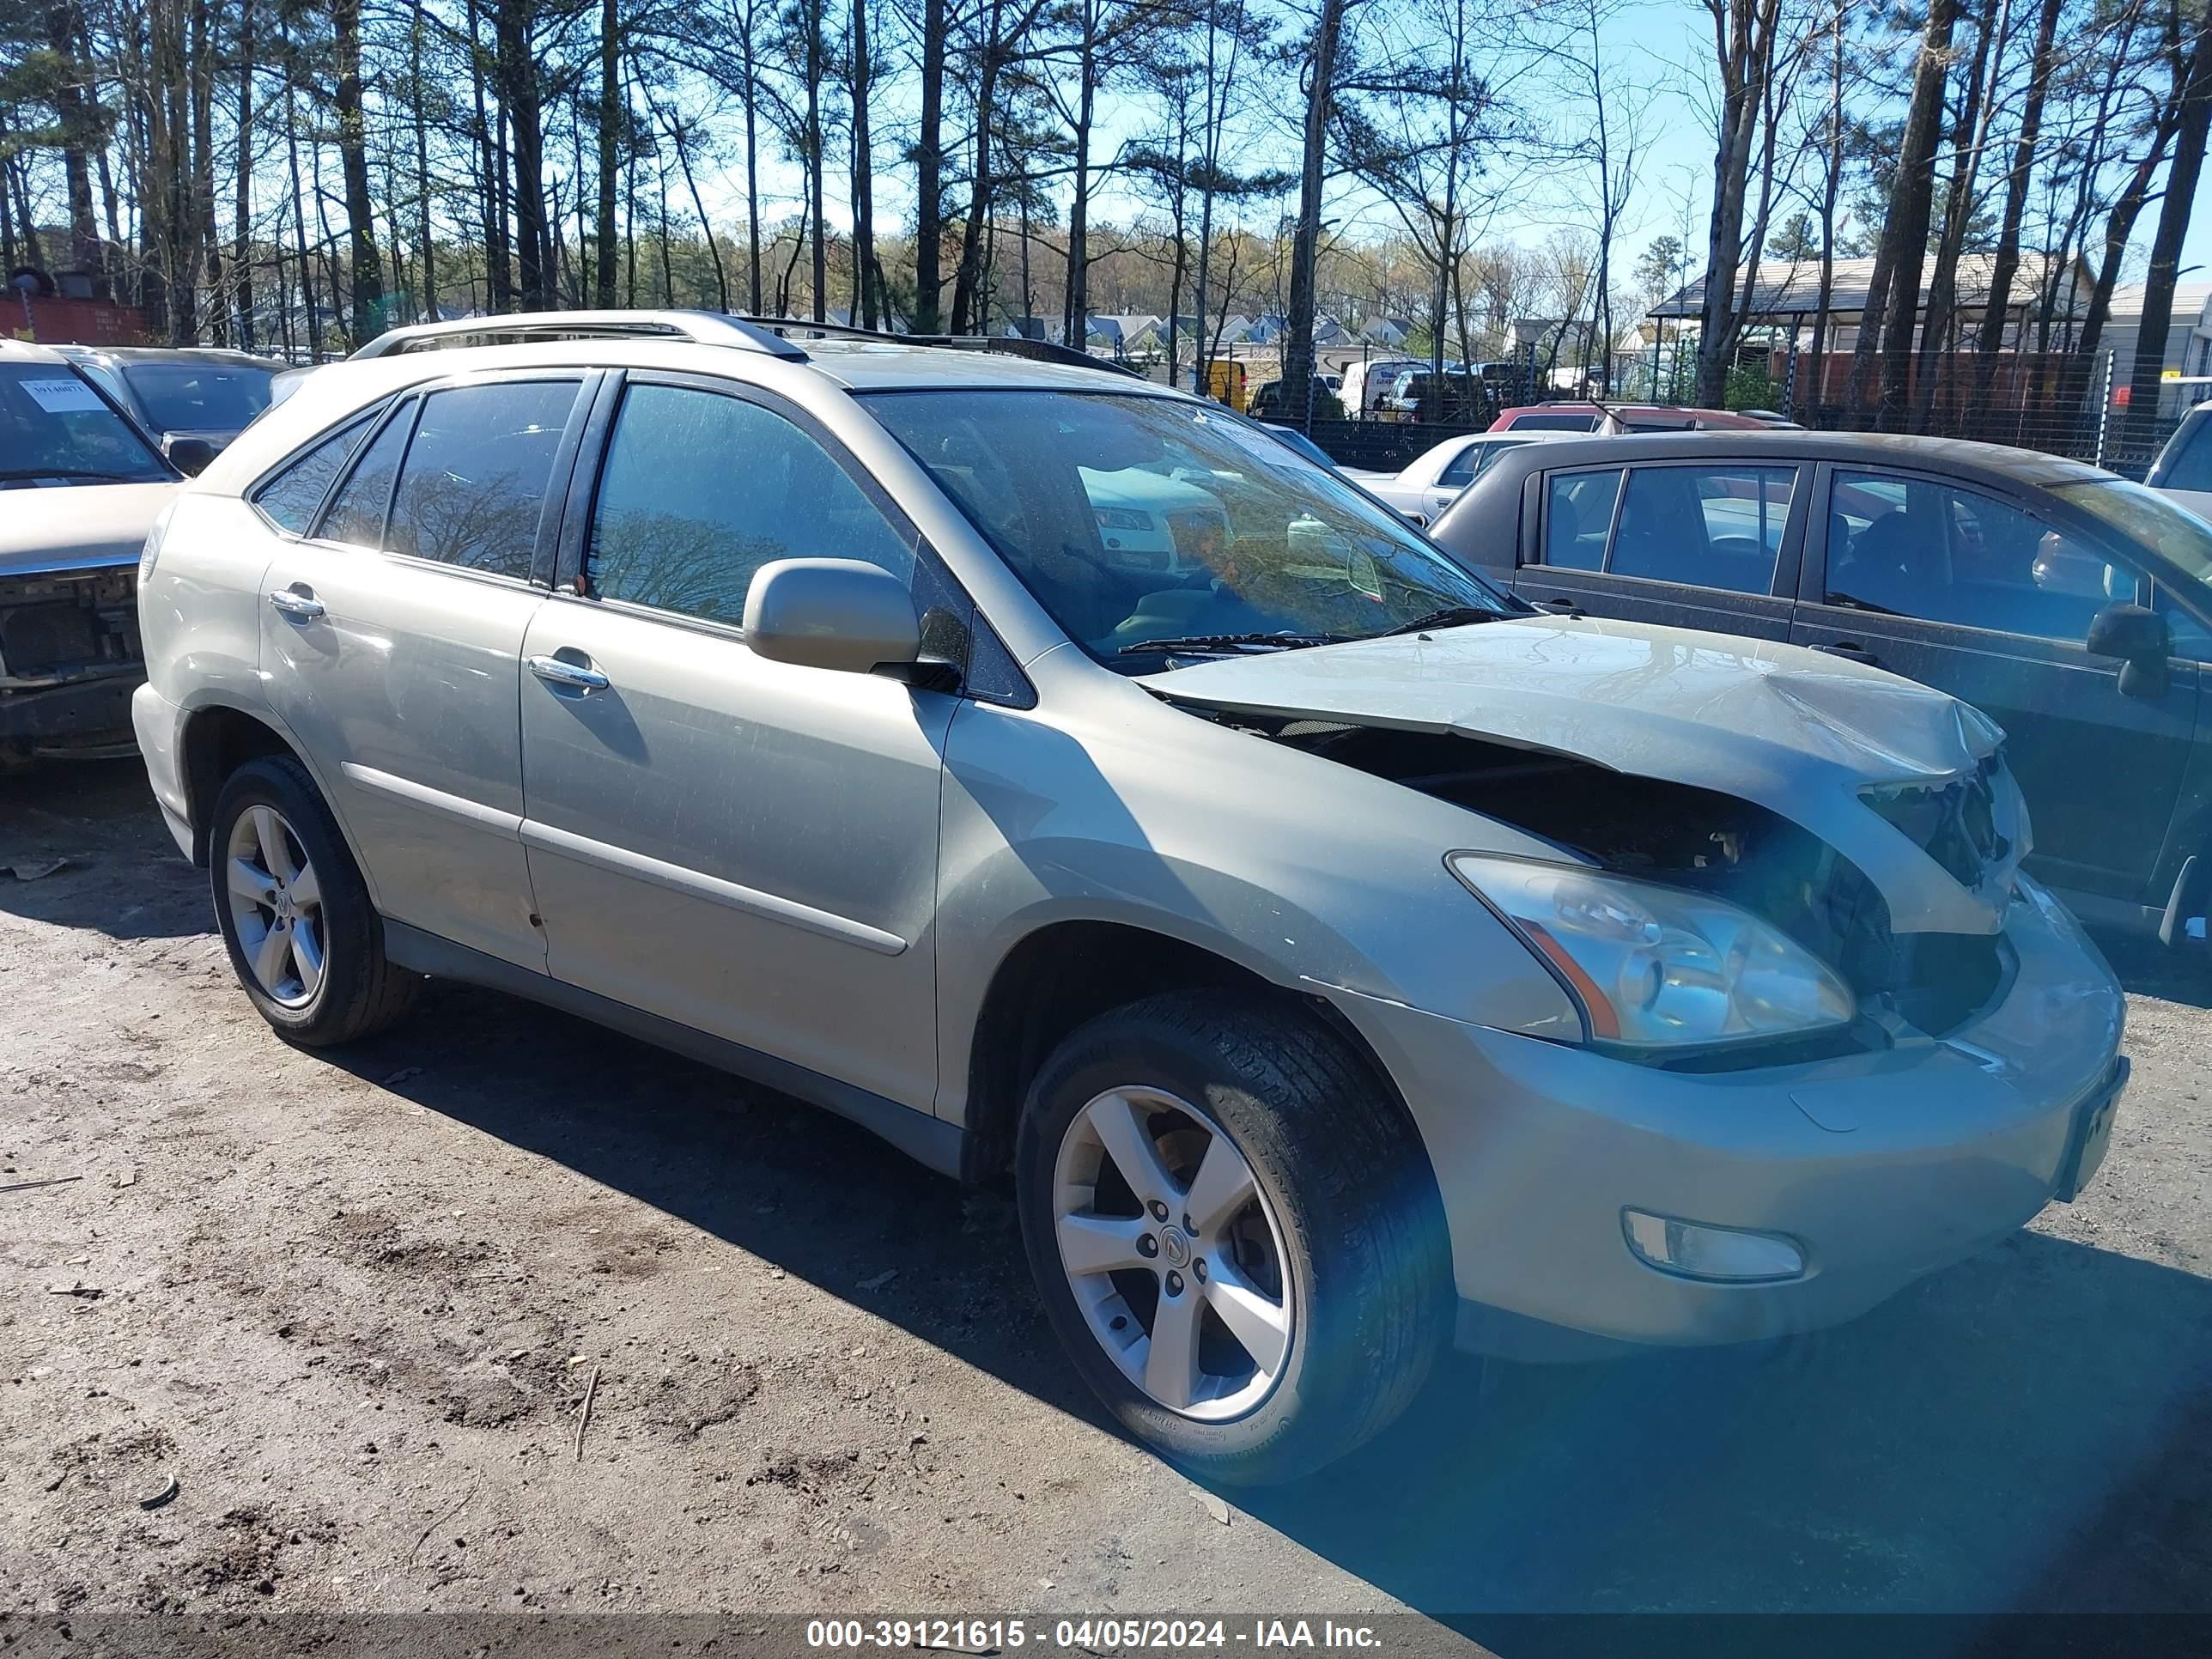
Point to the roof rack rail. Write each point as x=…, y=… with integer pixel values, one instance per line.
x=1012, y=345
x=698, y=327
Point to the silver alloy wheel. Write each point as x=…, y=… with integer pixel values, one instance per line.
x=1173, y=1253
x=275, y=905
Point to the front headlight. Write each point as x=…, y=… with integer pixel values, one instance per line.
x=1656, y=966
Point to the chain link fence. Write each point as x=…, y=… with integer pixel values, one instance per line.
x=2056, y=403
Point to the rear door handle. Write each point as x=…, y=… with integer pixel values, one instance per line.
x=569, y=676
x=299, y=607
x=1852, y=651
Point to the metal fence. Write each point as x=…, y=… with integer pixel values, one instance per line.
x=2045, y=402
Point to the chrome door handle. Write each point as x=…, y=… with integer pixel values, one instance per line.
x=298, y=606
x=574, y=677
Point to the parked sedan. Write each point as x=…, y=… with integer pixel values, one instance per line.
x=2074, y=607
x=1436, y=476
x=181, y=392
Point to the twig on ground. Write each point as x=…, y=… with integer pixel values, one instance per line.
x=51, y=1181
x=441, y=1521
x=584, y=1417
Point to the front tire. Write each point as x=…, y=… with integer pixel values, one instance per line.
x=304, y=940
x=1235, y=1232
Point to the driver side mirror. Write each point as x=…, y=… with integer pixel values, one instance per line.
x=844, y=614
x=2138, y=638
x=190, y=456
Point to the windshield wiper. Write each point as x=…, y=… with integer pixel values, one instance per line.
x=1231, y=641
x=1452, y=615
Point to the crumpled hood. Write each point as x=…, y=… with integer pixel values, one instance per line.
x=73, y=526
x=1792, y=730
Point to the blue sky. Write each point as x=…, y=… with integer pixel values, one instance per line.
x=1654, y=50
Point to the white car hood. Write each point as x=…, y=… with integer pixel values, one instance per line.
x=78, y=526
x=1796, y=732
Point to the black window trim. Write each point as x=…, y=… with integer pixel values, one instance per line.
x=407, y=404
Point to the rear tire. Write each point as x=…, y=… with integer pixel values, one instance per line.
x=1335, y=1273
x=306, y=944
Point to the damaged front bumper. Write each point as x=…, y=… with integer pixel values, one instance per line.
x=70, y=658
x=1877, y=1167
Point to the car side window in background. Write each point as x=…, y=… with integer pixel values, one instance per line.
x=1577, y=516
x=474, y=482
x=1467, y=466
x=289, y=501
x=1553, y=423
x=2187, y=464
x=1947, y=554
x=1716, y=526
x=701, y=490
x=357, y=515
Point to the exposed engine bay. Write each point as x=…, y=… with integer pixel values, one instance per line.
x=1678, y=834
x=62, y=629
x=68, y=625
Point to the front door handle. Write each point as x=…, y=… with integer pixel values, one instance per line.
x=568, y=676
x=1851, y=651
x=299, y=607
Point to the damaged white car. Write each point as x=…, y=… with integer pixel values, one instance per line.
x=1343, y=959
x=80, y=486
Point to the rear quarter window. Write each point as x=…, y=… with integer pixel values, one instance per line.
x=289, y=498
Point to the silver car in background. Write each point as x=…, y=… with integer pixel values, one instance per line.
x=1344, y=960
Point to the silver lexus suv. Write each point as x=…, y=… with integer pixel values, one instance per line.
x=1344, y=960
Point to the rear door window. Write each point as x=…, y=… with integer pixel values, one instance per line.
x=1718, y=527
x=1578, y=517
x=474, y=482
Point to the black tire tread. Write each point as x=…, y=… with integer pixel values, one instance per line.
x=1337, y=1133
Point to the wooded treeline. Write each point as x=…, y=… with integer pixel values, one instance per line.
x=268, y=174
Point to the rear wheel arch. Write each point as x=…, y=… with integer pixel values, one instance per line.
x=219, y=738
x=1061, y=975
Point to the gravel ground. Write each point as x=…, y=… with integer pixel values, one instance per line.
x=353, y=1307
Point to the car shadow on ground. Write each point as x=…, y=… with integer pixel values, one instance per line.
x=2023, y=1432
x=81, y=845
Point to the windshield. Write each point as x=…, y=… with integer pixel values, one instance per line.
x=2149, y=519
x=199, y=397
x=54, y=426
x=1142, y=519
